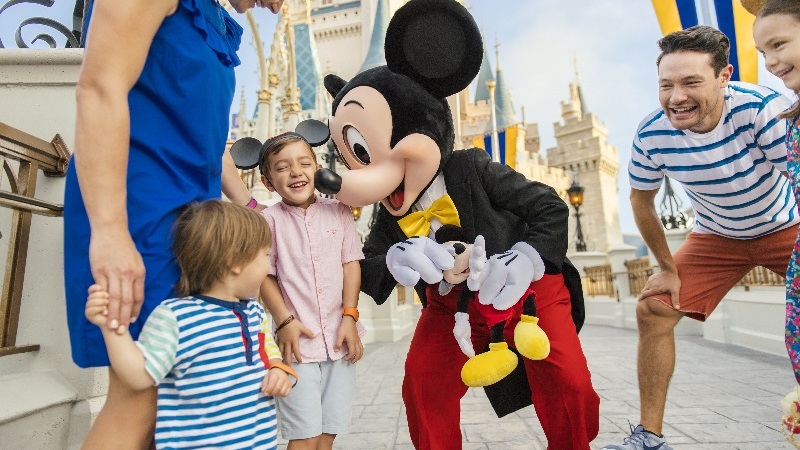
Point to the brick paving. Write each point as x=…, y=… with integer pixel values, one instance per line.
x=721, y=397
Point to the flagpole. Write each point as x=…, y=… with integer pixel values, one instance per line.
x=491, y=85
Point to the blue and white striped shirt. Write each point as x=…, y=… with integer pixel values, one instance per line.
x=730, y=174
x=204, y=355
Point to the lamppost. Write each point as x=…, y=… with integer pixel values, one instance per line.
x=330, y=156
x=575, y=193
x=671, y=215
x=356, y=210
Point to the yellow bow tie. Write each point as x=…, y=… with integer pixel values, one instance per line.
x=419, y=223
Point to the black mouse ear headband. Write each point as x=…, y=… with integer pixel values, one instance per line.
x=248, y=151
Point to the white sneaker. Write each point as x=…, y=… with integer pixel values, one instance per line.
x=640, y=439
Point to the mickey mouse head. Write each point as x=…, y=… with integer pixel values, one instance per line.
x=391, y=125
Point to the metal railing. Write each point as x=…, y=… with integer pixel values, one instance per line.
x=28, y=155
x=639, y=270
x=44, y=29
x=761, y=276
x=598, y=280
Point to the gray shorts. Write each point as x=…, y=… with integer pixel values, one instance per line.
x=322, y=401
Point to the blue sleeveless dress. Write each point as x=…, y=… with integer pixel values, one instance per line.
x=178, y=127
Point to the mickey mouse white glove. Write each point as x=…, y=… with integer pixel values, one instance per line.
x=463, y=333
x=503, y=279
x=416, y=257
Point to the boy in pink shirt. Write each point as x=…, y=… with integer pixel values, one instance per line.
x=312, y=293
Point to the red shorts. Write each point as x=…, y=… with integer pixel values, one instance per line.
x=710, y=265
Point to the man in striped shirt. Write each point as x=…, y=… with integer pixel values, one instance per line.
x=723, y=142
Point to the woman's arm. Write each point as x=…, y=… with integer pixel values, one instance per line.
x=101, y=143
x=232, y=185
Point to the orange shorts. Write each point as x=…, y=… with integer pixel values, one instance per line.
x=710, y=265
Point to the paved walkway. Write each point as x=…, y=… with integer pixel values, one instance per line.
x=722, y=397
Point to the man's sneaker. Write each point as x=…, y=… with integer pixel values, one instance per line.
x=641, y=440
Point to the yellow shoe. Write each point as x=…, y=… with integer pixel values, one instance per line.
x=489, y=367
x=530, y=339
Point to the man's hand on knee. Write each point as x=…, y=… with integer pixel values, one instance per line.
x=663, y=282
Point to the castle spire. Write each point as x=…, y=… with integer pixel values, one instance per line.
x=375, y=55
x=506, y=115
x=584, y=109
x=242, y=115
x=485, y=74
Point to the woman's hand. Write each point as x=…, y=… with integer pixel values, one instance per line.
x=118, y=269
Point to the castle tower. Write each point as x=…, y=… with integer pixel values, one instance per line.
x=343, y=32
x=375, y=54
x=582, y=149
x=484, y=75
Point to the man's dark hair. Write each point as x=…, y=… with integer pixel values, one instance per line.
x=700, y=39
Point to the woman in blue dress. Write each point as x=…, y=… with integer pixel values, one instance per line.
x=153, y=98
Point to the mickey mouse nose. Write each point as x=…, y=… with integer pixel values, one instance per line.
x=459, y=248
x=327, y=181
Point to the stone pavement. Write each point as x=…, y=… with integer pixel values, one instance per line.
x=721, y=397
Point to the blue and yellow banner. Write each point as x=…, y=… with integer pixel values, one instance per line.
x=732, y=19
x=507, y=140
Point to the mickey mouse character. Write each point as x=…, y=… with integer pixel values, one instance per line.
x=392, y=127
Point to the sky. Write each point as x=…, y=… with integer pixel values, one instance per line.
x=613, y=42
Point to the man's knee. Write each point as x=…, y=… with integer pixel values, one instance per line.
x=654, y=315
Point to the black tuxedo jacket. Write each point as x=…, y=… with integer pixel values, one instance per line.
x=492, y=200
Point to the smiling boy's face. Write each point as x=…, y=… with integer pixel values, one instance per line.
x=290, y=173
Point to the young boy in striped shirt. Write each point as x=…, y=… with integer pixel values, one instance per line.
x=210, y=351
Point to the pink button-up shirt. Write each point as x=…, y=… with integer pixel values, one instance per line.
x=308, y=250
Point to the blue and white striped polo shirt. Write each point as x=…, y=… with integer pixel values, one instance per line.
x=730, y=174
x=204, y=355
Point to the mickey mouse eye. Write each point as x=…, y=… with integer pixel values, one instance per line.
x=357, y=145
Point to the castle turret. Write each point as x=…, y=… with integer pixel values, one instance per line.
x=506, y=116
x=375, y=55
x=484, y=75
x=582, y=149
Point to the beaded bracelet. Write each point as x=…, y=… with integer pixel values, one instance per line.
x=285, y=322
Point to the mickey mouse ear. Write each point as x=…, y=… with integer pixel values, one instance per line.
x=246, y=152
x=436, y=43
x=313, y=131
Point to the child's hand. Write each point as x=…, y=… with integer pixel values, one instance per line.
x=289, y=339
x=97, y=305
x=276, y=383
x=348, y=333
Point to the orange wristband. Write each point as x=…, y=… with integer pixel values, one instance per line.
x=352, y=312
x=286, y=368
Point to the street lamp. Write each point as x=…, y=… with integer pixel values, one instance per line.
x=356, y=210
x=575, y=193
x=330, y=155
x=671, y=215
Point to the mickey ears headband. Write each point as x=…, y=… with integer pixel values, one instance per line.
x=248, y=151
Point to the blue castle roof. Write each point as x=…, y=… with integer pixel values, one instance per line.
x=375, y=55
